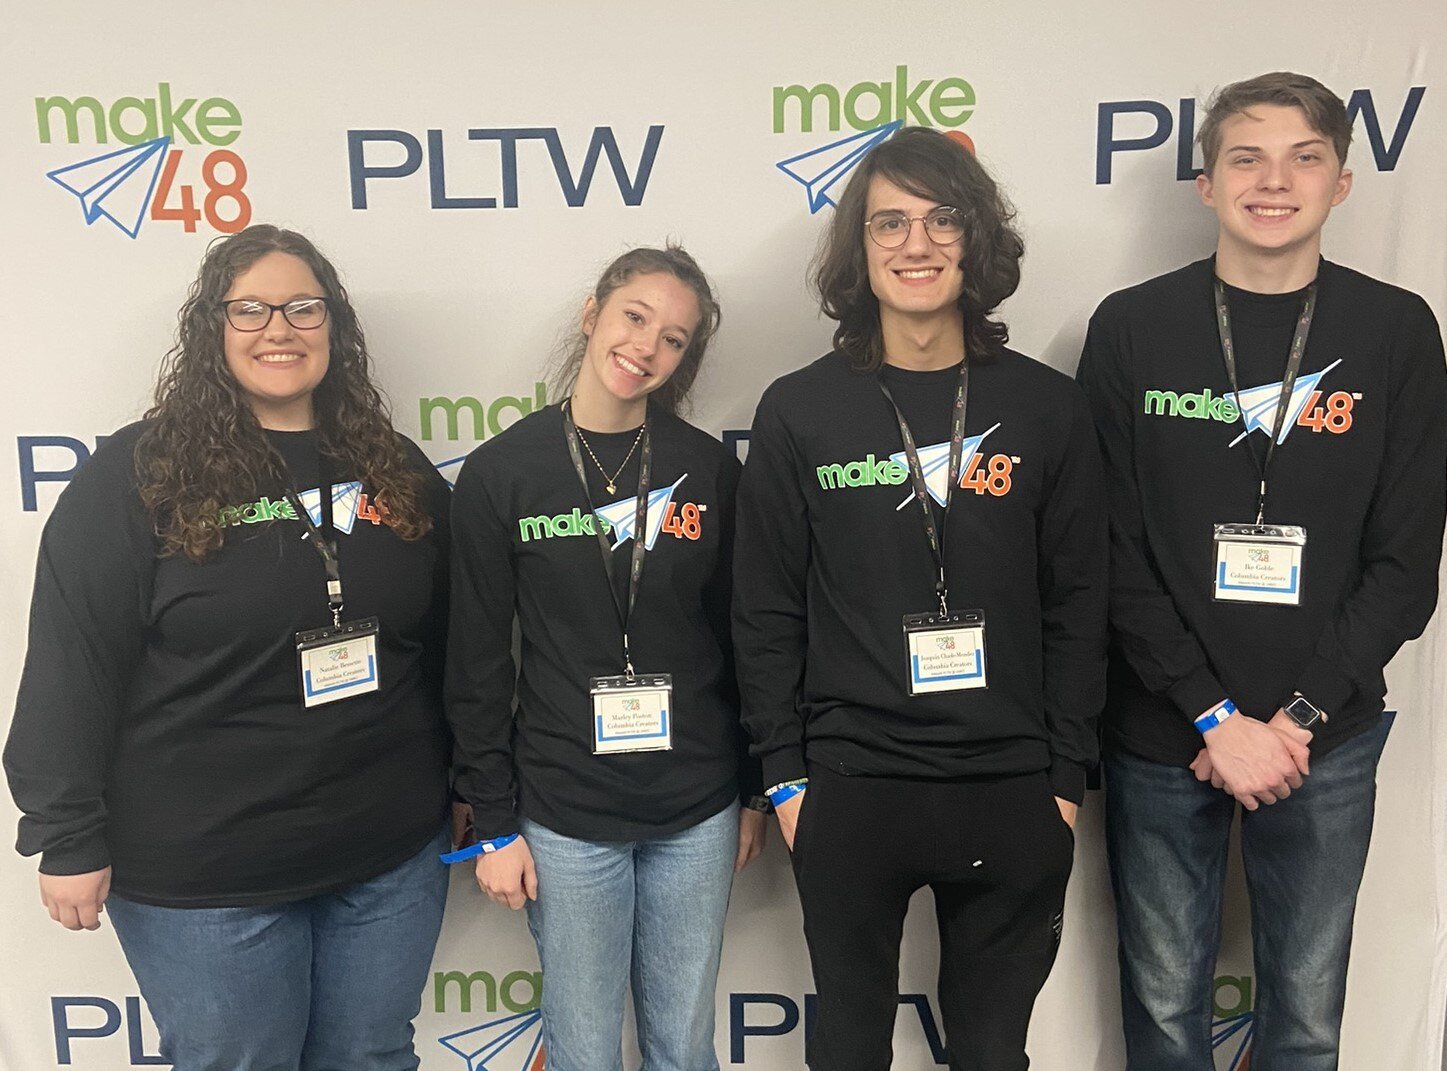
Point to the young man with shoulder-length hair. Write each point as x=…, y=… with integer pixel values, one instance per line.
x=919, y=614
x=1275, y=450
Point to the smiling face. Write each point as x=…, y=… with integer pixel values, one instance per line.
x=279, y=367
x=637, y=337
x=1275, y=181
x=917, y=279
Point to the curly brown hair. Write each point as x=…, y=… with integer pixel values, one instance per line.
x=672, y=260
x=927, y=164
x=203, y=448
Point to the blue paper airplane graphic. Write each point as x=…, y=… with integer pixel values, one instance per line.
x=512, y=1043
x=621, y=514
x=344, y=505
x=117, y=185
x=1258, y=405
x=1236, y=1030
x=824, y=168
x=935, y=460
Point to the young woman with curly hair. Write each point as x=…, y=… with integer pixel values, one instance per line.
x=243, y=761
x=920, y=605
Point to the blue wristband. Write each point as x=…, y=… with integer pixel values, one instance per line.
x=786, y=791
x=1215, y=716
x=482, y=847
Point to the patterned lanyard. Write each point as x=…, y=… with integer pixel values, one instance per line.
x=936, y=536
x=640, y=524
x=1288, y=382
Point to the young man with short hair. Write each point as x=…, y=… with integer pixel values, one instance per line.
x=1276, y=457
x=919, y=614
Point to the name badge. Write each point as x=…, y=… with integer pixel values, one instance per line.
x=1259, y=563
x=337, y=663
x=946, y=651
x=632, y=713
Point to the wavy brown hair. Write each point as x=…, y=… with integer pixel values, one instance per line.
x=203, y=448
x=671, y=260
x=1325, y=113
x=927, y=164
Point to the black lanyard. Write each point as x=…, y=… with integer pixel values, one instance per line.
x=1288, y=382
x=323, y=539
x=936, y=536
x=640, y=524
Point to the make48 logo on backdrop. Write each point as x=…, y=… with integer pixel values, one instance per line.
x=173, y=164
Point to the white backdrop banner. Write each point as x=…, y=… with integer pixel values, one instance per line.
x=470, y=168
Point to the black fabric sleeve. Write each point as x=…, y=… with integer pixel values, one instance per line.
x=1152, y=635
x=481, y=674
x=717, y=597
x=771, y=566
x=1074, y=569
x=87, y=628
x=1401, y=543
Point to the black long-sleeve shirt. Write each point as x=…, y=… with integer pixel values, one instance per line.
x=1363, y=468
x=525, y=549
x=829, y=560
x=159, y=727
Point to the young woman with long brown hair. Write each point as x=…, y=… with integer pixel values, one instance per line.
x=606, y=777
x=229, y=730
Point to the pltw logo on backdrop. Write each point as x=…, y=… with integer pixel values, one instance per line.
x=1119, y=128
x=874, y=110
x=497, y=173
x=149, y=175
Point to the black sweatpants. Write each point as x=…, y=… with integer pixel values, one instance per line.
x=997, y=855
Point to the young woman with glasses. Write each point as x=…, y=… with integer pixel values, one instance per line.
x=229, y=733
x=605, y=777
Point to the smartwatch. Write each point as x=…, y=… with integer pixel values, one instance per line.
x=1303, y=711
x=760, y=804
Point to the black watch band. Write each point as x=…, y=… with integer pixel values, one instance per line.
x=760, y=804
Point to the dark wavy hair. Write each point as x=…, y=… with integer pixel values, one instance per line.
x=204, y=450
x=930, y=165
x=671, y=260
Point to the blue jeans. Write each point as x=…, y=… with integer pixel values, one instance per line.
x=330, y=983
x=652, y=909
x=1167, y=834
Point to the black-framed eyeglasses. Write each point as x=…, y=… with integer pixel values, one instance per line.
x=890, y=229
x=249, y=314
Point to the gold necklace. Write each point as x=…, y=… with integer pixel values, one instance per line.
x=611, y=480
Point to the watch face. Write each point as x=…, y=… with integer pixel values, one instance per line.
x=1302, y=711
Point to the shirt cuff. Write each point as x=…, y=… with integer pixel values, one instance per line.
x=81, y=855
x=1326, y=686
x=1067, y=779
x=786, y=764
x=1196, y=693
x=489, y=823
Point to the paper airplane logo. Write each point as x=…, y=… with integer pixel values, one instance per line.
x=821, y=170
x=116, y=185
x=1258, y=405
x=513, y=1043
x=621, y=514
x=1232, y=1037
x=450, y=463
x=935, y=460
x=344, y=505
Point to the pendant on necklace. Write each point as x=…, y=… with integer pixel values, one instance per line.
x=612, y=490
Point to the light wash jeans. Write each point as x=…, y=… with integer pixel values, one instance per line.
x=330, y=983
x=1167, y=835
x=650, y=909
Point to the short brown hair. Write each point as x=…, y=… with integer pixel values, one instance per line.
x=1323, y=109
x=931, y=165
x=672, y=260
